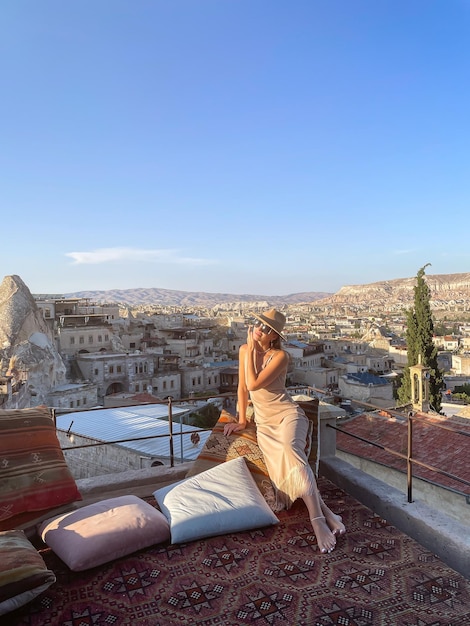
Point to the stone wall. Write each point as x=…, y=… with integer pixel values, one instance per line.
x=99, y=460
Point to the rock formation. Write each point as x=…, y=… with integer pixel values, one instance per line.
x=27, y=348
x=446, y=290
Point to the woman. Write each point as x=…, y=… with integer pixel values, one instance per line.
x=281, y=425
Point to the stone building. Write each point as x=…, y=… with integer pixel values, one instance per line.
x=73, y=395
x=368, y=388
x=201, y=379
x=461, y=364
x=116, y=372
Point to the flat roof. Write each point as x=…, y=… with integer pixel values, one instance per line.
x=112, y=424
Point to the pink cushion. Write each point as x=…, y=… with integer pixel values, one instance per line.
x=103, y=531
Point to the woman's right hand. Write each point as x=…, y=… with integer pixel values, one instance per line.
x=233, y=427
x=250, y=340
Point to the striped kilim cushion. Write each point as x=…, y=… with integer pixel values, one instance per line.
x=33, y=473
x=23, y=573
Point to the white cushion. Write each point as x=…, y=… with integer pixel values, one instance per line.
x=223, y=499
x=103, y=531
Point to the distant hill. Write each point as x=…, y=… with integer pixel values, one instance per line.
x=170, y=297
x=447, y=291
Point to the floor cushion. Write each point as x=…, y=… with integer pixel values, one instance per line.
x=23, y=573
x=219, y=448
x=223, y=499
x=33, y=473
x=104, y=531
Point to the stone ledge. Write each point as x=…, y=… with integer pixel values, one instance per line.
x=146, y=481
x=141, y=483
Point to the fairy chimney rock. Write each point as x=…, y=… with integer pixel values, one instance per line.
x=27, y=342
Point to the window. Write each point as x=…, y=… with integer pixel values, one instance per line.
x=90, y=339
x=118, y=369
x=72, y=341
x=132, y=344
x=100, y=338
x=172, y=384
x=106, y=337
x=111, y=369
x=96, y=371
x=164, y=384
x=81, y=339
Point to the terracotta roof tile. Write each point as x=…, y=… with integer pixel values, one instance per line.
x=444, y=448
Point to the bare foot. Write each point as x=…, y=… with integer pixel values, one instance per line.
x=326, y=540
x=335, y=523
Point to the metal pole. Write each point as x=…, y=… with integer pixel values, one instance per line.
x=170, y=427
x=409, y=457
x=181, y=438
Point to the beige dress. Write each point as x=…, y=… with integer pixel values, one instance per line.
x=284, y=436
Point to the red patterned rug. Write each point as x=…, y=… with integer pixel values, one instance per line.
x=273, y=576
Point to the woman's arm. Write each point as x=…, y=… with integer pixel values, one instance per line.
x=268, y=374
x=256, y=381
x=242, y=396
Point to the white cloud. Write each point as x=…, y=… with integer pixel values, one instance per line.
x=401, y=252
x=111, y=255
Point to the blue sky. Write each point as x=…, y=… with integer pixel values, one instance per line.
x=237, y=146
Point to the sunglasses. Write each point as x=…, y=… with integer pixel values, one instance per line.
x=264, y=328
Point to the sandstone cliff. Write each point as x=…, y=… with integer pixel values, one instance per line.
x=27, y=348
x=446, y=290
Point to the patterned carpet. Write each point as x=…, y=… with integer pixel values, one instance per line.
x=377, y=576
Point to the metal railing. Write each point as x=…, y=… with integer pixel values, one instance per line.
x=408, y=457
x=169, y=402
x=308, y=390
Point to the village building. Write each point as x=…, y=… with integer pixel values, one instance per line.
x=367, y=388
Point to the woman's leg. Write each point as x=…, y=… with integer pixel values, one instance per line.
x=283, y=447
x=325, y=538
x=334, y=521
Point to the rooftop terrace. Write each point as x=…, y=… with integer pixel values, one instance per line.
x=401, y=563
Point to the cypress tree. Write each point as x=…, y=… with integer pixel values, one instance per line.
x=419, y=340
